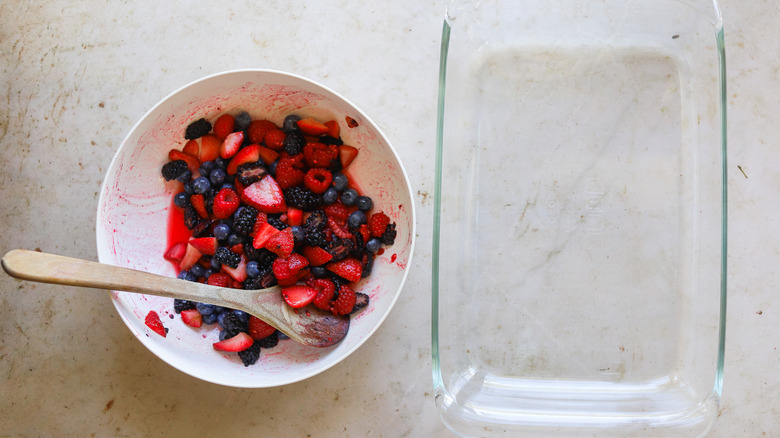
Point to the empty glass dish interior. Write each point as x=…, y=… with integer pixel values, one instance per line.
x=579, y=229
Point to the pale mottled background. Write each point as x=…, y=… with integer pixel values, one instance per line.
x=77, y=75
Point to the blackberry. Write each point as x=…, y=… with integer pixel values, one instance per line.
x=389, y=235
x=294, y=142
x=276, y=223
x=340, y=248
x=270, y=341
x=250, y=355
x=201, y=229
x=230, y=321
x=264, y=280
x=262, y=256
x=179, y=305
x=173, y=169
x=303, y=198
x=244, y=220
x=330, y=140
x=249, y=173
x=191, y=217
x=366, y=263
x=227, y=257
x=318, y=219
x=360, y=302
x=315, y=237
x=197, y=129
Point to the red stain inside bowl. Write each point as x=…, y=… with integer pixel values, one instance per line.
x=177, y=232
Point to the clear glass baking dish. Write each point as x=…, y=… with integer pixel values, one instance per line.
x=580, y=218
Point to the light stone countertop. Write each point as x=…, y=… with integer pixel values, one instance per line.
x=76, y=76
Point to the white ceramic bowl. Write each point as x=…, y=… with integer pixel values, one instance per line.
x=135, y=200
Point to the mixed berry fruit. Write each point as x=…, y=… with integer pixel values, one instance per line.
x=271, y=205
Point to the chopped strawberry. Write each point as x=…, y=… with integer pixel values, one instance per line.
x=219, y=279
x=298, y=296
x=325, y=292
x=192, y=317
x=309, y=126
x=258, y=128
x=239, y=272
x=318, y=180
x=334, y=130
x=176, y=252
x=281, y=243
x=226, y=202
x=259, y=329
x=249, y=154
x=294, y=216
x=348, y=269
x=262, y=233
x=345, y=301
x=239, y=187
x=316, y=255
x=192, y=162
x=209, y=147
x=274, y=139
x=152, y=321
x=320, y=154
x=347, y=154
x=223, y=126
x=268, y=155
x=191, y=256
x=265, y=195
x=300, y=275
x=199, y=204
x=287, y=175
x=352, y=123
x=231, y=144
x=192, y=148
x=377, y=223
x=206, y=245
x=239, y=342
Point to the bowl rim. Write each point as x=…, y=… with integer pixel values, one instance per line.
x=102, y=255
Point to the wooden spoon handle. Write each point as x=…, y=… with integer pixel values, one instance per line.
x=49, y=268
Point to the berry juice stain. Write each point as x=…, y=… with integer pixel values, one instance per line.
x=177, y=231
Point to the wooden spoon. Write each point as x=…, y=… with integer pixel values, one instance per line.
x=309, y=325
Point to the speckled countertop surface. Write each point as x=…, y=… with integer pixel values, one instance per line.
x=77, y=76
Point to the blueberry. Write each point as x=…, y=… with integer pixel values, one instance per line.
x=219, y=162
x=184, y=177
x=188, y=189
x=243, y=119
x=373, y=245
x=227, y=185
x=252, y=269
x=298, y=234
x=356, y=219
x=201, y=185
x=242, y=316
x=272, y=167
x=206, y=309
x=349, y=197
x=208, y=166
x=364, y=203
x=318, y=271
x=290, y=123
x=282, y=336
x=330, y=196
x=204, y=172
x=234, y=239
x=211, y=318
x=217, y=176
x=221, y=319
x=222, y=231
x=216, y=265
x=197, y=270
x=187, y=275
x=340, y=181
x=223, y=334
x=181, y=200
x=207, y=273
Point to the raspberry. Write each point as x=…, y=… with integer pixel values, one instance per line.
x=326, y=289
x=337, y=211
x=197, y=129
x=377, y=224
x=318, y=180
x=225, y=203
x=258, y=129
x=288, y=176
x=345, y=301
x=320, y=155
